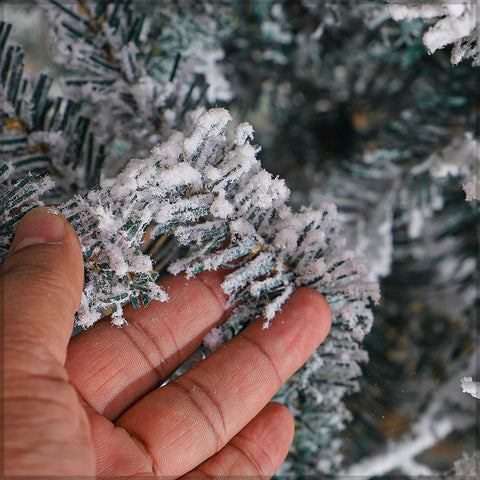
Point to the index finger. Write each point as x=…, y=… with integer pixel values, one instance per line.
x=113, y=367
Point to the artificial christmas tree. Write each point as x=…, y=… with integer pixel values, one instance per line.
x=355, y=111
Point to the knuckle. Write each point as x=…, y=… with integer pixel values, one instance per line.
x=37, y=280
x=254, y=457
x=210, y=288
x=209, y=411
x=151, y=351
x=268, y=361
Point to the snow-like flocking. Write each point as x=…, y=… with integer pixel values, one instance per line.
x=209, y=191
x=454, y=23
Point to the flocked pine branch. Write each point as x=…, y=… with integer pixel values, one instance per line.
x=206, y=177
x=364, y=143
x=394, y=188
x=41, y=134
x=447, y=410
x=471, y=387
x=466, y=467
x=150, y=71
x=122, y=42
x=118, y=272
x=455, y=23
x=16, y=198
x=208, y=189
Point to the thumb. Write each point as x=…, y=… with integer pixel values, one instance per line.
x=41, y=283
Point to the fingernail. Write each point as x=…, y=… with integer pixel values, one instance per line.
x=39, y=225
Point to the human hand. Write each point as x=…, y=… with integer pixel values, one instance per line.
x=92, y=405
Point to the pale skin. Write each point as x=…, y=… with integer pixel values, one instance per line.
x=93, y=405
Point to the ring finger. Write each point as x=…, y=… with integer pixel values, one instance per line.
x=257, y=451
